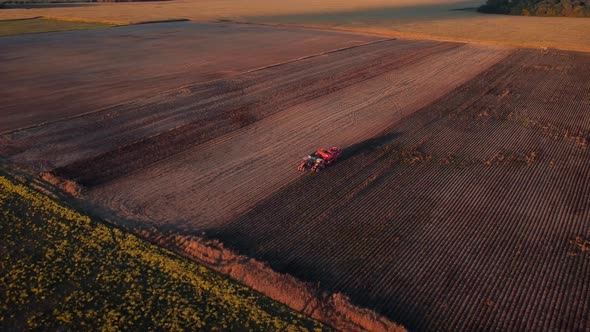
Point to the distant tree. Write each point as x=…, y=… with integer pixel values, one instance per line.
x=579, y=8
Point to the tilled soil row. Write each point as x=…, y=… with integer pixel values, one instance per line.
x=212, y=182
x=461, y=217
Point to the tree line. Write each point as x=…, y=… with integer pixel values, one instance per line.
x=576, y=8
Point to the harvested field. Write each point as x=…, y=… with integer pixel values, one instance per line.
x=37, y=25
x=133, y=12
x=84, y=71
x=445, y=19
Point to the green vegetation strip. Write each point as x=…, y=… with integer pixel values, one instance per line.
x=62, y=270
x=37, y=25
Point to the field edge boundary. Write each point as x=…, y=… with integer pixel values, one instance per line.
x=395, y=34
x=335, y=309
x=21, y=19
x=31, y=184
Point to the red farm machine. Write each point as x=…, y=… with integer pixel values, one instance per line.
x=319, y=159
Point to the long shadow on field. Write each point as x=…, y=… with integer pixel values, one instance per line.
x=305, y=206
x=369, y=145
x=214, y=119
x=458, y=223
x=342, y=228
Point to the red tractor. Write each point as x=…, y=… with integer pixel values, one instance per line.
x=320, y=159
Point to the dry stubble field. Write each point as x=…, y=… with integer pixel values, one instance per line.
x=442, y=19
x=461, y=202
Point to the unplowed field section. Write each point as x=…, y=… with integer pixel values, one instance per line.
x=46, y=77
x=472, y=214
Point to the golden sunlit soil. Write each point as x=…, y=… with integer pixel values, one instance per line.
x=422, y=19
x=133, y=12
x=466, y=26
x=195, y=157
x=36, y=25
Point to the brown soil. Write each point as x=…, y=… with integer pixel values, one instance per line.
x=199, y=155
x=81, y=72
x=463, y=185
x=460, y=217
x=67, y=186
x=232, y=142
x=233, y=171
x=334, y=310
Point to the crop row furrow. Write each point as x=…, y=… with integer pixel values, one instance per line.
x=460, y=220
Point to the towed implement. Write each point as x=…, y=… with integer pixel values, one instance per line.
x=319, y=159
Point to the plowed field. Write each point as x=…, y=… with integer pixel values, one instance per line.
x=229, y=143
x=461, y=202
x=59, y=75
x=471, y=214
